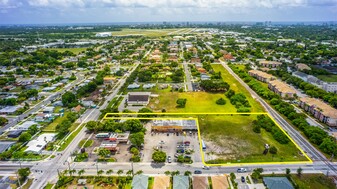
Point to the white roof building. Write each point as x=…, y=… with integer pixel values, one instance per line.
x=38, y=144
x=25, y=125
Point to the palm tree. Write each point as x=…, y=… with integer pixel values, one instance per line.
x=167, y=173
x=187, y=173
x=299, y=172
x=100, y=172
x=71, y=172
x=139, y=172
x=119, y=172
x=129, y=172
x=109, y=172
x=80, y=172
x=66, y=171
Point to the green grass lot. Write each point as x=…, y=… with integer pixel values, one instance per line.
x=237, y=142
x=74, y=50
x=197, y=102
x=52, y=125
x=310, y=181
x=328, y=78
x=71, y=137
x=237, y=87
x=144, y=32
x=86, y=143
x=101, y=183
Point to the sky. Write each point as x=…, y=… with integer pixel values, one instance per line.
x=110, y=11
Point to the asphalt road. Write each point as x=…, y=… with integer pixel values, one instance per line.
x=312, y=152
x=188, y=77
x=44, y=102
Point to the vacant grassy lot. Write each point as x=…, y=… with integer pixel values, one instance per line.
x=144, y=32
x=52, y=125
x=74, y=50
x=328, y=78
x=237, y=87
x=230, y=138
x=197, y=102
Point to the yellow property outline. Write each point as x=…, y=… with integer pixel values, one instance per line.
x=107, y=117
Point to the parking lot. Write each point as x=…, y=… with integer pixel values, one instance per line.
x=170, y=143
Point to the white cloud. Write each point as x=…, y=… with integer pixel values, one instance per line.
x=168, y=3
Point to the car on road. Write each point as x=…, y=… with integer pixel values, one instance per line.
x=169, y=159
x=243, y=179
x=242, y=170
x=205, y=167
x=197, y=172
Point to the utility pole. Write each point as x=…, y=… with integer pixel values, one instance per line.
x=18, y=179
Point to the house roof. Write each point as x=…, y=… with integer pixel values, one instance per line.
x=77, y=108
x=282, y=87
x=4, y=145
x=200, y=182
x=270, y=62
x=161, y=182
x=219, y=182
x=261, y=74
x=138, y=96
x=181, y=182
x=9, y=109
x=320, y=106
x=140, y=182
x=277, y=183
x=36, y=145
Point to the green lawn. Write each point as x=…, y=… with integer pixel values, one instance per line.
x=233, y=140
x=197, y=102
x=71, y=137
x=52, y=125
x=237, y=87
x=74, y=50
x=86, y=143
x=328, y=78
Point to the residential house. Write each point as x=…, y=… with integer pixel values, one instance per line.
x=302, y=67
x=77, y=109
x=277, y=183
x=181, y=182
x=219, y=182
x=133, y=86
x=38, y=144
x=200, y=182
x=48, y=110
x=282, y=89
x=161, y=182
x=320, y=110
x=109, y=80
x=14, y=134
x=9, y=110
x=5, y=145
x=25, y=125
x=140, y=182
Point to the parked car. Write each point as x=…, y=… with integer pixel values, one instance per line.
x=169, y=159
x=197, y=172
x=243, y=179
x=242, y=170
x=205, y=167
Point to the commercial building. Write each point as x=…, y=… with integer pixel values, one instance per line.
x=320, y=110
x=282, y=89
x=173, y=125
x=270, y=64
x=138, y=98
x=38, y=144
x=261, y=76
x=330, y=87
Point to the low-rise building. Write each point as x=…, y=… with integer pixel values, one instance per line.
x=200, y=182
x=320, y=110
x=330, y=87
x=181, y=182
x=302, y=67
x=140, y=182
x=5, y=145
x=282, y=89
x=25, y=125
x=173, y=125
x=109, y=80
x=9, y=110
x=38, y=144
x=270, y=64
x=138, y=98
x=261, y=76
x=277, y=183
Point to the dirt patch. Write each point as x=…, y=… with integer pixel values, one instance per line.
x=226, y=147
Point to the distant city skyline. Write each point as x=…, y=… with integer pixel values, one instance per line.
x=110, y=11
